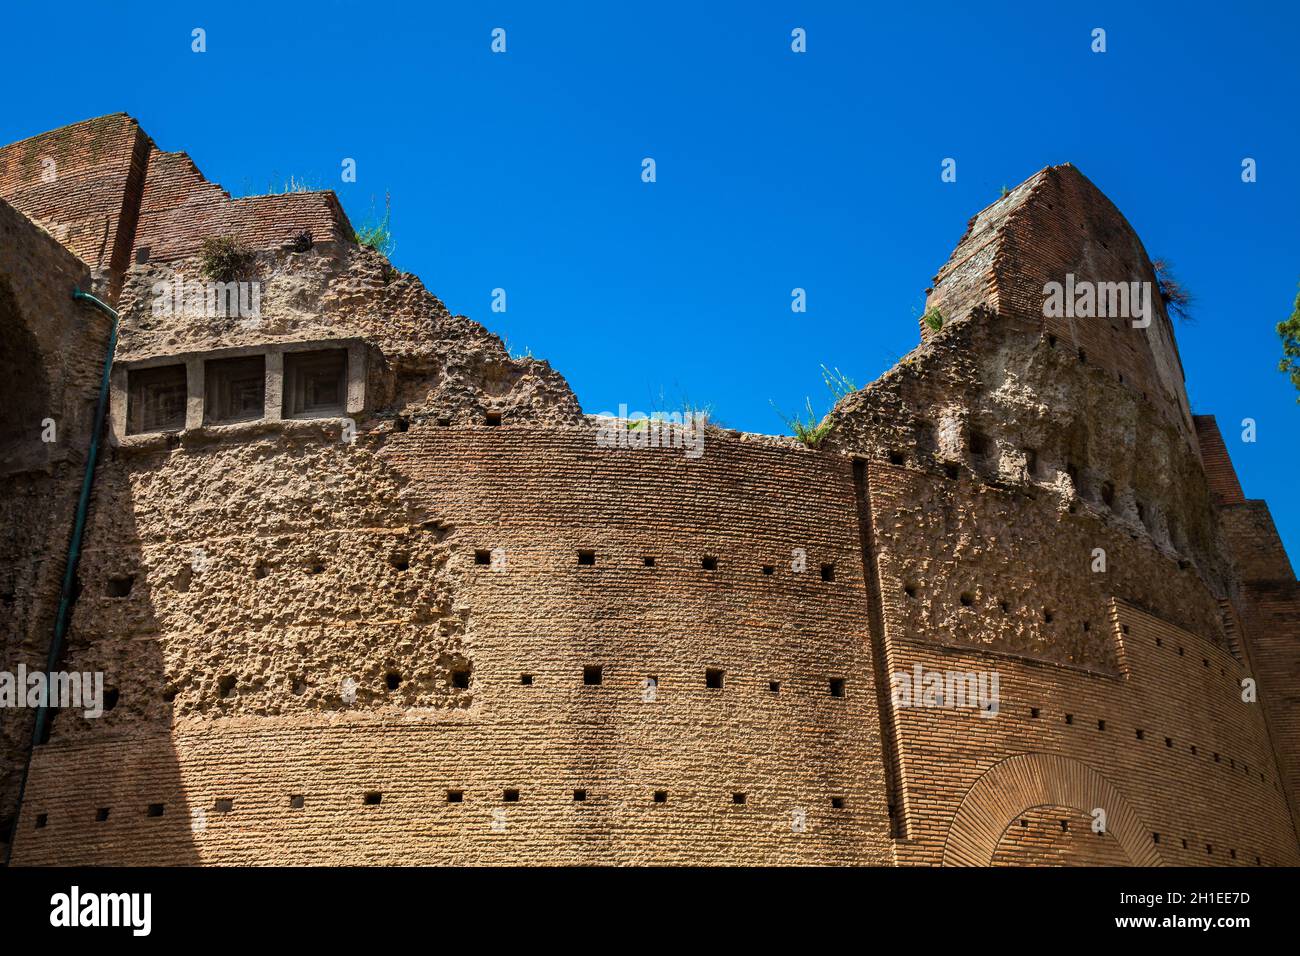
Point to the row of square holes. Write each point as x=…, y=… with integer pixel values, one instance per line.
x=1035, y=713
x=968, y=600
x=714, y=678
x=594, y=674
x=120, y=585
x=980, y=447
x=373, y=798
x=707, y=562
x=1209, y=848
x=1155, y=838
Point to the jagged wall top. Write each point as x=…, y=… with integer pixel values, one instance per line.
x=104, y=189
x=1054, y=224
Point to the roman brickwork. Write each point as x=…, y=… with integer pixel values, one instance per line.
x=365, y=589
x=50, y=370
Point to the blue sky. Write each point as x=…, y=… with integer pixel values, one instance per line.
x=775, y=170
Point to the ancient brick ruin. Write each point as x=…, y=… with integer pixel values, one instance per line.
x=366, y=589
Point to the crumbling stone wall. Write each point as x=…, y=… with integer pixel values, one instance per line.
x=49, y=372
x=1037, y=451
x=1167, y=725
x=448, y=626
x=427, y=362
x=435, y=498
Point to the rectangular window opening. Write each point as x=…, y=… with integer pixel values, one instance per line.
x=156, y=399
x=316, y=384
x=234, y=390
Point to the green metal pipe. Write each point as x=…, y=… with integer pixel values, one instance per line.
x=74, y=549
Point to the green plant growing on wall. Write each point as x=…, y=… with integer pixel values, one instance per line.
x=375, y=233
x=1289, y=332
x=838, y=383
x=807, y=426
x=933, y=318
x=809, y=429
x=225, y=258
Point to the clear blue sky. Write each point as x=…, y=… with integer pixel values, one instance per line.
x=775, y=170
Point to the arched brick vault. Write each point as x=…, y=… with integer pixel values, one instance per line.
x=1024, y=781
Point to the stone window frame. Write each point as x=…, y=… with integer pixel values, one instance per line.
x=195, y=363
x=136, y=410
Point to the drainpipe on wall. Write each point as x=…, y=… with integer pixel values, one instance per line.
x=74, y=555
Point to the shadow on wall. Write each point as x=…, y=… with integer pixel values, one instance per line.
x=23, y=621
x=24, y=390
x=110, y=788
x=96, y=787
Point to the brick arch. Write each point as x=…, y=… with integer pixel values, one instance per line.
x=1025, y=781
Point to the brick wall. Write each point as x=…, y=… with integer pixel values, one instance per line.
x=1058, y=222
x=111, y=196
x=180, y=209
x=541, y=496
x=1220, y=474
x=1202, y=770
x=82, y=183
x=50, y=369
x=424, y=645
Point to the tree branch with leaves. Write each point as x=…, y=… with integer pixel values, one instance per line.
x=1289, y=332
